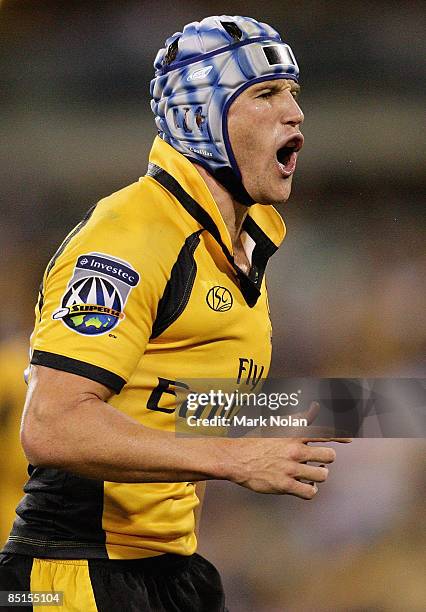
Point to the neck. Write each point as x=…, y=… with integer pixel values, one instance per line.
x=233, y=212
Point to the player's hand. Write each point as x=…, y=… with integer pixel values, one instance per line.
x=279, y=465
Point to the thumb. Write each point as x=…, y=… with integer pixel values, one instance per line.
x=312, y=413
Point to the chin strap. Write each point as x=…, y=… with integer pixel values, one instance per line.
x=228, y=179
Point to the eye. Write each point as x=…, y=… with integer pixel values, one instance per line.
x=265, y=94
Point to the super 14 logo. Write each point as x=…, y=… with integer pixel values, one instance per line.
x=94, y=301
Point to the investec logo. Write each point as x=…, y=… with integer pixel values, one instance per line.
x=111, y=267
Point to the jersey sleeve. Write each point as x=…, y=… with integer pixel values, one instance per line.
x=98, y=300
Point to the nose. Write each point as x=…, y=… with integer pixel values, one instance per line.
x=291, y=112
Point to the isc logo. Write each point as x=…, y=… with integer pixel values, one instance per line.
x=219, y=299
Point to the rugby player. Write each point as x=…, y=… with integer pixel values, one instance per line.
x=161, y=282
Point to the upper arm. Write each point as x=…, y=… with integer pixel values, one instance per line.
x=51, y=394
x=97, y=305
x=99, y=297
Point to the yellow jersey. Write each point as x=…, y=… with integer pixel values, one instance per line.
x=142, y=294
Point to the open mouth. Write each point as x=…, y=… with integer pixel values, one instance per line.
x=287, y=155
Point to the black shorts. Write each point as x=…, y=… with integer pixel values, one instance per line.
x=167, y=583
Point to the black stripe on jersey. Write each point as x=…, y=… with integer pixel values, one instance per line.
x=195, y=210
x=249, y=285
x=179, y=286
x=59, y=517
x=60, y=250
x=73, y=366
x=263, y=250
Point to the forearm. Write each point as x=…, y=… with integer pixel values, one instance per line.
x=97, y=441
x=68, y=424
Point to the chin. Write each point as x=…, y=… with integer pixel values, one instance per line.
x=279, y=196
x=285, y=191
x=270, y=192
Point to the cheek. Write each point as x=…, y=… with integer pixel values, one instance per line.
x=244, y=124
x=252, y=139
x=252, y=142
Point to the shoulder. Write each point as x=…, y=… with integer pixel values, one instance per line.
x=143, y=212
x=141, y=225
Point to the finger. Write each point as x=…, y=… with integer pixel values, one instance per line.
x=317, y=433
x=302, y=490
x=342, y=440
x=312, y=472
x=320, y=454
x=311, y=414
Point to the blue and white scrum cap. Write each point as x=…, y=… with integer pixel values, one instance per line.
x=199, y=73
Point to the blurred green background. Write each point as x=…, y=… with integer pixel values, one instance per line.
x=346, y=293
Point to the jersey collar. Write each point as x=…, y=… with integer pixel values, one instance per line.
x=266, y=218
x=263, y=227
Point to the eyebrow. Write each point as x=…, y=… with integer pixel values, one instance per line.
x=276, y=84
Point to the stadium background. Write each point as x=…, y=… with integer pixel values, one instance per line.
x=345, y=290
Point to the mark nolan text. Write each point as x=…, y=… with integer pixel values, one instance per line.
x=245, y=421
